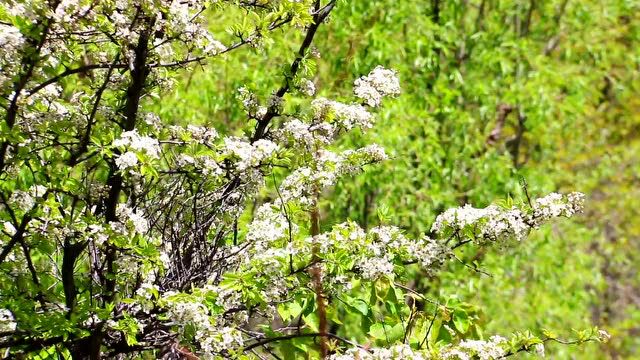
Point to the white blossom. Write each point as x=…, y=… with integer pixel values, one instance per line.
x=393, y=352
x=147, y=290
x=476, y=349
x=379, y=83
x=494, y=223
x=133, y=140
x=305, y=135
x=22, y=199
x=603, y=335
x=127, y=160
x=11, y=42
x=129, y=216
x=307, y=87
x=96, y=232
x=347, y=116
x=9, y=228
x=249, y=155
x=213, y=46
x=7, y=321
x=372, y=268
x=554, y=205
x=268, y=225
x=202, y=134
x=461, y=217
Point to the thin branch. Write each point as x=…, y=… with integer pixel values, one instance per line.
x=81, y=69
x=318, y=18
x=474, y=268
x=295, y=336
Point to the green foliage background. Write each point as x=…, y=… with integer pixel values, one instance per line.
x=570, y=71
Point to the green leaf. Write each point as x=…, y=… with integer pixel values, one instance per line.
x=289, y=311
x=387, y=333
x=461, y=320
x=312, y=321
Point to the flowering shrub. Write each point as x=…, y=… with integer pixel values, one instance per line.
x=125, y=236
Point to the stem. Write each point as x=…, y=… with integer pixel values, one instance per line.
x=316, y=276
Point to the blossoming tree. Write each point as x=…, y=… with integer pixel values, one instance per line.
x=124, y=236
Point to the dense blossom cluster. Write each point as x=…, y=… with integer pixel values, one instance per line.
x=554, y=205
x=301, y=184
x=379, y=83
x=135, y=144
x=7, y=322
x=494, y=348
x=211, y=338
x=268, y=226
x=129, y=216
x=247, y=154
x=11, y=41
x=495, y=223
x=348, y=116
x=307, y=87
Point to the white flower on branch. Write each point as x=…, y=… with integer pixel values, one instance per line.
x=127, y=160
x=372, y=268
x=268, y=225
x=307, y=87
x=22, y=200
x=379, y=83
x=554, y=205
x=347, y=116
x=7, y=321
x=133, y=140
x=496, y=224
x=129, y=216
x=247, y=154
x=8, y=228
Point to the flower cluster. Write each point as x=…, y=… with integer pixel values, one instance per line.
x=386, y=246
x=129, y=217
x=249, y=155
x=379, y=83
x=492, y=349
x=250, y=103
x=213, y=339
x=497, y=224
x=401, y=351
x=267, y=226
x=133, y=140
x=11, y=42
x=307, y=87
x=135, y=144
x=303, y=182
x=346, y=116
x=555, y=205
x=7, y=321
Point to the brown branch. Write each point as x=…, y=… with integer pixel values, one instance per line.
x=514, y=143
x=78, y=70
x=316, y=278
x=319, y=16
x=503, y=110
x=17, y=237
x=526, y=25
x=84, y=142
x=295, y=336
